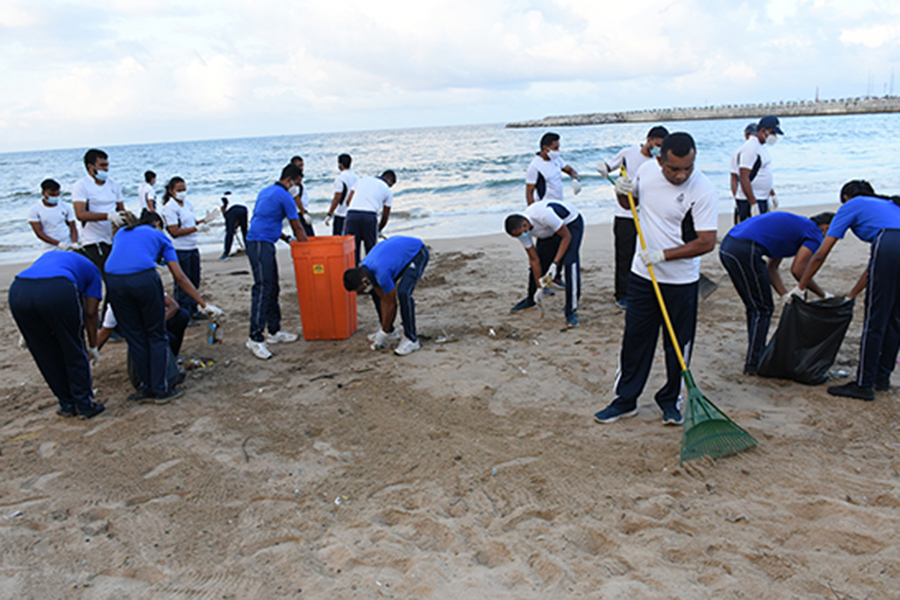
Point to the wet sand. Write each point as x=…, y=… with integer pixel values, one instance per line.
x=469, y=469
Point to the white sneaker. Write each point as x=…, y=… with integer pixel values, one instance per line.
x=281, y=337
x=394, y=335
x=259, y=349
x=407, y=347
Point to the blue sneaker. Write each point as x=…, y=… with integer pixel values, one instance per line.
x=613, y=413
x=524, y=304
x=672, y=416
x=572, y=320
x=549, y=292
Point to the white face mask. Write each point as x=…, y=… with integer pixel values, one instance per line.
x=181, y=196
x=294, y=191
x=368, y=288
x=771, y=139
x=52, y=200
x=553, y=154
x=101, y=175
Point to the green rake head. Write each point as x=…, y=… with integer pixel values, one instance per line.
x=707, y=430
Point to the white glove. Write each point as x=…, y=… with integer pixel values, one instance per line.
x=93, y=355
x=75, y=246
x=576, y=187
x=549, y=276
x=773, y=200
x=786, y=299
x=651, y=256
x=22, y=343
x=211, y=215
x=380, y=341
x=201, y=227
x=828, y=296
x=212, y=311
x=117, y=218
x=327, y=220
x=307, y=218
x=64, y=245
x=603, y=168
x=538, y=295
x=624, y=186
x=290, y=239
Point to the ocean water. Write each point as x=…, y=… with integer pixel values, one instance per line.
x=452, y=181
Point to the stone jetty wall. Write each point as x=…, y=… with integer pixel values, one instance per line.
x=802, y=108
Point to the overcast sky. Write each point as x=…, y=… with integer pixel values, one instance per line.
x=78, y=74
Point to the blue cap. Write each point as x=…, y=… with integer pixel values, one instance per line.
x=750, y=129
x=770, y=122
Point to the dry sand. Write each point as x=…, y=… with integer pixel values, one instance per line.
x=469, y=469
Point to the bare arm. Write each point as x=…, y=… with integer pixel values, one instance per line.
x=39, y=231
x=388, y=308
x=705, y=242
x=84, y=215
x=73, y=231
x=570, y=171
x=178, y=231
x=566, y=236
x=860, y=284
x=799, y=266
x=103, y=337
x=385, y=214
x=816, y=261
x=171, y=307
x=734, y=184
x=775, y=277
x=535, y=263
x=746, y=186
x=529, y=193
x=335, y=202
x=623, y=201
x=184, y=283
x=299, y=233
x=91, y=309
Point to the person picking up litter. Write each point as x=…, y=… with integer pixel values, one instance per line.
x=558, y=228
x=389, y=273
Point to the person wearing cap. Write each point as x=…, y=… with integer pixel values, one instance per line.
x=624, y=231
x=558, y=228
x=544, y=175
x=743, y=253
x=755, y=182
x=235, y=218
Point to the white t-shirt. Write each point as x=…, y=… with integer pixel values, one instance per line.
x=633, y=159
x=663, y=209
x=551, y=173
x=763, y=182
x=370, y=194
x=145, y=192
x=345, y=181
x=99, y=199
x=546, y=217
x=181, y=215
x=54, y=221
x=304, y=200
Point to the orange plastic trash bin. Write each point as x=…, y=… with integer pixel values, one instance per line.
x=327, y=310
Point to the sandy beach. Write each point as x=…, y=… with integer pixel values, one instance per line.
x=469, y=469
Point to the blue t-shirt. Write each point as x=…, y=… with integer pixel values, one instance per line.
x=781, y=234
x=388, y=259
x=273, y=205
x=70, y=265
x=139, y=250
x=866, y=216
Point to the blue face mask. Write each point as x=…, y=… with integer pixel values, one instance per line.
x=656, y=151
x=101, y=175
x=52, y=200
x=525, y=236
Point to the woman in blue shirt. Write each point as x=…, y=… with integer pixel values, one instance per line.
x=775, y=235
x=874, y=219
x=52, y=301
x=136, y=293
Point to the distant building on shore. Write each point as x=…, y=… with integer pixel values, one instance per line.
x=802, y=108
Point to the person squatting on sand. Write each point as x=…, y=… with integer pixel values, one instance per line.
x=624, y=233
x=274, y=204
x=743, y=253
x=136, y=294
x=52, y=302
x=558, y=228
x=52, y=221
x=678, y=216
x=389, y=274
x=876, y=220
x=544, y=175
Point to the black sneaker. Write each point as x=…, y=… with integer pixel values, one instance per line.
x=139, y=395
x=525, y=304
x=883, y=385
x=90, y=412
x=672, y=416
x=613, y=413
x=67, y=411
x=165, y=398
x=748, y=370
x=200, y=317
x=851, y=390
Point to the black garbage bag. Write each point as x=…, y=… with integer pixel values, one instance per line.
x=807, y=340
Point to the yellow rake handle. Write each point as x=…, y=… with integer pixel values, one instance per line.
x=662, y=304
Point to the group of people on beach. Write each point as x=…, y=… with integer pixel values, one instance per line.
x=659, y=194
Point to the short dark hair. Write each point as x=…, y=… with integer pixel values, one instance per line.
x=856, y=187
x=353, y=279
x=149, y=176
x=389, y=175
x=291, y=171
x=91, y=156
x=823, y=218
x=548, y=138
x=344, y=160
x=296, y=159
x=679, y=143
x=49, y=185
x=513, y=222
x=658, y=132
